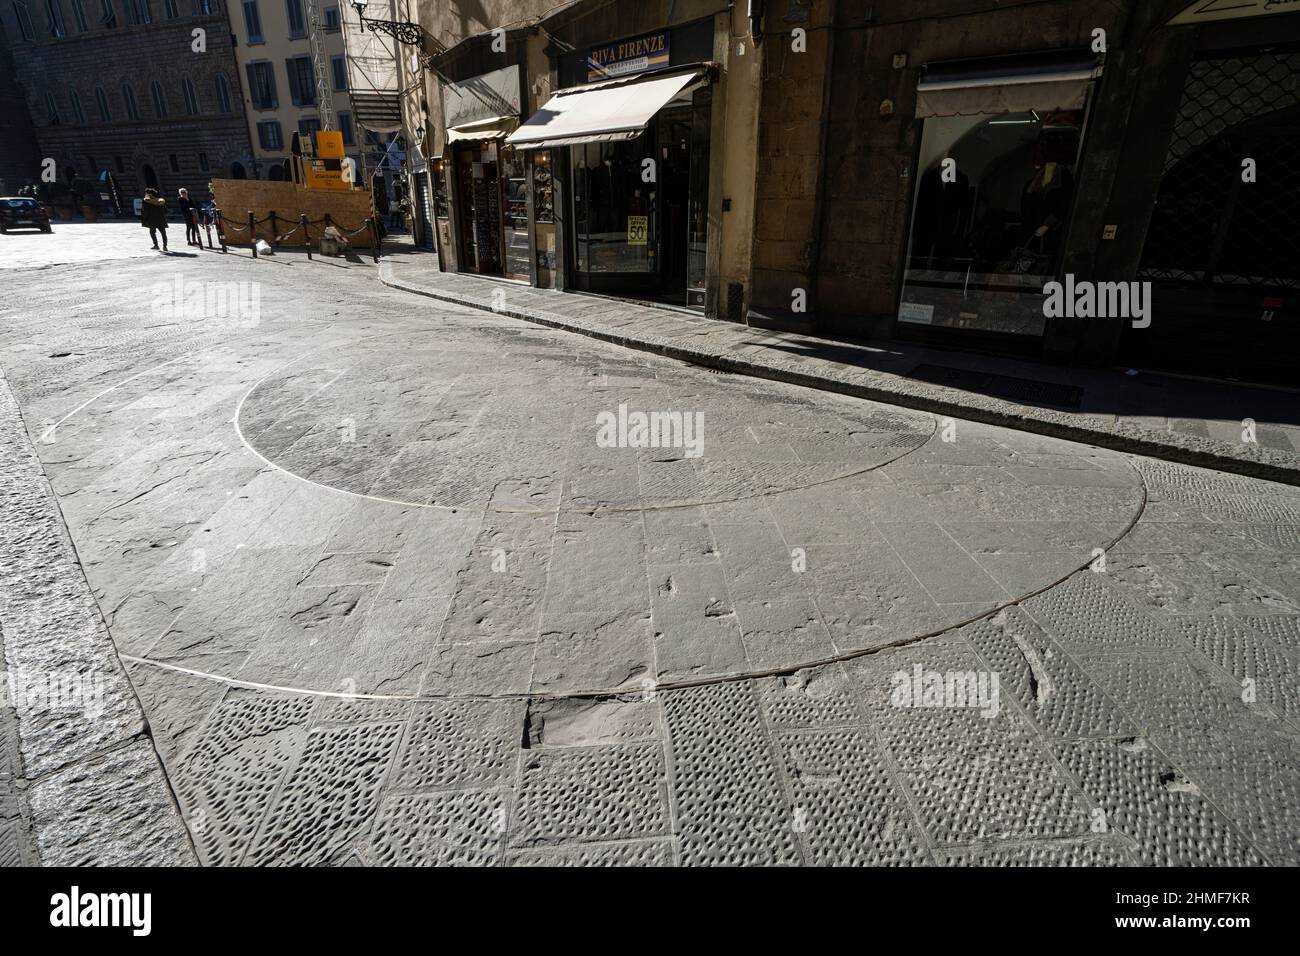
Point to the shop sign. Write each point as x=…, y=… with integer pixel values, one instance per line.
x=628, y=56
x=916, y=312
x=638, y=230
x=1204, y=11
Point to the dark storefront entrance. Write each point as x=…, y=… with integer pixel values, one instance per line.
x=493, y=201
x=646, y=239
x=1221, y=248
x=629, y=134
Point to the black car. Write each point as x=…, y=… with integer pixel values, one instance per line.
x=19, y=212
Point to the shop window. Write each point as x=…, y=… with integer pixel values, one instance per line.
x=615, y=225
x=988, y=227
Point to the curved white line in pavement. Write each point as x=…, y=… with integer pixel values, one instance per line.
x=112, y=388
x=471, y=508
x=705, y=681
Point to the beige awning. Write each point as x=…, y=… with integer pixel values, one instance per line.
x=1042, y=82
x=609, y=111
x=494, y=127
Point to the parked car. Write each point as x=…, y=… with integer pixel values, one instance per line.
x=19, y=212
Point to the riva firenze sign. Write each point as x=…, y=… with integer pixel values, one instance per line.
x=627, y=56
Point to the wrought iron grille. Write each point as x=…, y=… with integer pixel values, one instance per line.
x=1209, y=226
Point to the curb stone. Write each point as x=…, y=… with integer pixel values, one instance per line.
x=96, y=789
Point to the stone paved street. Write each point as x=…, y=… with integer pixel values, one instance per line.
x=384, y=597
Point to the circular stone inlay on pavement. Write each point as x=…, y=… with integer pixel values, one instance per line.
x=422, y=419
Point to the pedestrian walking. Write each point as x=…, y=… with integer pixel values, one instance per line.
x=190, y=212
x=153, y=216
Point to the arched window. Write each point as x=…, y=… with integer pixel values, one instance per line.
x=24, y=21
x=128, y=97
x=101, y=102
x=78, y=113
x=223, y=93
x=191, y=97
x=237, y=171
x=51, y=110
x=159, y=101
x=54, y=18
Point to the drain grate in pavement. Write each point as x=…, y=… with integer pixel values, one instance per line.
x=1028, y=390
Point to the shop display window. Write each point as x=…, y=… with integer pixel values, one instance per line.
x=989, y=227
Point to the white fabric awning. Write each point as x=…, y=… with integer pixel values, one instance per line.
x=1042, y=82
x=601, y=112
x=494, y=127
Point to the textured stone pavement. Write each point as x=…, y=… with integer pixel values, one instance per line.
x=385, y=600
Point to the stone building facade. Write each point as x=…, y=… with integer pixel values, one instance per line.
x=19, y=159
x=910, y=170
x=130, y=87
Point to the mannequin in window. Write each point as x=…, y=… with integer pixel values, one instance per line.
x=939, y=233
x=1045, y=202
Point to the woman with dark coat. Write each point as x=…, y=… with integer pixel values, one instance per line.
x=190, y=213
x=153, y=216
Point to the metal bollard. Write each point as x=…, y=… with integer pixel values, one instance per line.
x=221, y=228
x=306, y=236
x=252, y=233
x=374, y=236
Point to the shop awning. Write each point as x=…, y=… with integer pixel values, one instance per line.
x=1011, y=84
x=610, y=111
x=494, y=127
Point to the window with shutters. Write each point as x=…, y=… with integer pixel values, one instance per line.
x=302, y=80
x=253, y=21
x=269, y=136
x=261, y=86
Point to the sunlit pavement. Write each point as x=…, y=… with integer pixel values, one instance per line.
x=386, y=595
